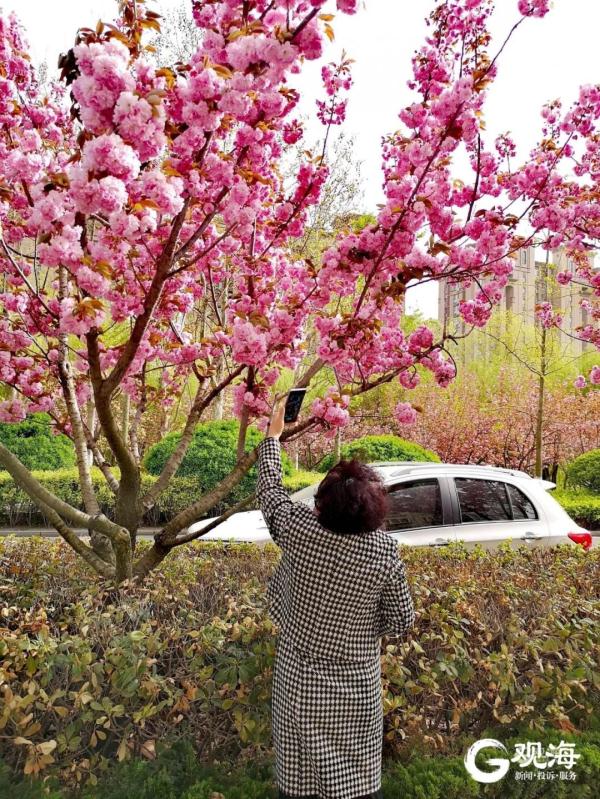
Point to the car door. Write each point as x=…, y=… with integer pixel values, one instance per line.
x=490, y=511
x=420, y=512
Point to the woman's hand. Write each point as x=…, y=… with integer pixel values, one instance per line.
x=276, y=422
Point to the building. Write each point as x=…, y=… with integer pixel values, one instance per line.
x=525, y=289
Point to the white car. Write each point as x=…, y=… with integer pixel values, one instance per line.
x=434, y=504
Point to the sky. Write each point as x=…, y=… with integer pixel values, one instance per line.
x=547, y=58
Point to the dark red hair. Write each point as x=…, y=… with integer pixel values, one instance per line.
x=351, y=499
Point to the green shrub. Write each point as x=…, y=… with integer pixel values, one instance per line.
x=300, y=479
x=36, y=446
x=380, y=448
x=429, y=777
x=582, y=507
x=501, y=639
x=176, y=773
x=586, y=769
x=584, y=471
x=211, y=456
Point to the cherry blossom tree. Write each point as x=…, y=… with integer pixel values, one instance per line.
x=147, y=235
x=500, y=425
x=489, y=416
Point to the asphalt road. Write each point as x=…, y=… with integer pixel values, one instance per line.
x=49, y=532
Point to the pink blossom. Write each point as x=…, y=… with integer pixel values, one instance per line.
x=292, y=132
x=534, y=8
x=165, y=192
x=347, y=6
x=12, y=411
x=255, y=401
x=140, y=124
x=63, y=248
x=546, y=315
x=421, y=338
x=405, y=413
x=332, y=409
x=564, y=278
x=104, y=196
x=249, y=344
x=310, y=41
x=109, y=154
x=104, y=76
x=80, y=318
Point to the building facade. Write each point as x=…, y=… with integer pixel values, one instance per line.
x=525, y=289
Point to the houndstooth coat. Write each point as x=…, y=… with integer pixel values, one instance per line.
x=332, y=598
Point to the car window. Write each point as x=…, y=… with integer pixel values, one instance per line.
x=522, y=507
x=482, y=500
x=415, y=503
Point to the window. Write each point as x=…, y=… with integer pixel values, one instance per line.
x=482, y=500
x=416, y=503
x=522, y=507
x=584, y=317
x=491, y=501
x=510, y=297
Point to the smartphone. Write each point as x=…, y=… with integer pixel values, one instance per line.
x=293, y=404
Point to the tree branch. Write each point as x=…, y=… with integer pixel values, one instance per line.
x=58, y=508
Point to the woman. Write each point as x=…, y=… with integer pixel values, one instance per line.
x=339, y=586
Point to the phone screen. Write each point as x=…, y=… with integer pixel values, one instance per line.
x=293, y=404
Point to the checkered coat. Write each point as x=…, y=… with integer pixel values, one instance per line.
x=332, y=598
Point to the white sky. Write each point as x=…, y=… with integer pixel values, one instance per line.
x=546, y=58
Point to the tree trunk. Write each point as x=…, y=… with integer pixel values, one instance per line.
x=128, y=511
x=539, y=420
x=338, y=445
x=539, y=426
x=91, y=423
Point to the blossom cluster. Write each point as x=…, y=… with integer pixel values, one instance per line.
x=336, y=78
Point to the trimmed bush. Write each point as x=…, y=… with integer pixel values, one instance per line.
x=36, y=445
x=380, y=448
x=505, y=639
x=582, y=507
x=211, y=456
x=300, y=479
x=584, y=471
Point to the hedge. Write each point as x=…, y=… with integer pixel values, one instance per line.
x=36, y=445
x=584, y=471
x=177, y=774
x=90, y=675
x=17, y=509
x=582, y=507
x=380, y=448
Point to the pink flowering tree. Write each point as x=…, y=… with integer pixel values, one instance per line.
x=146, y=230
